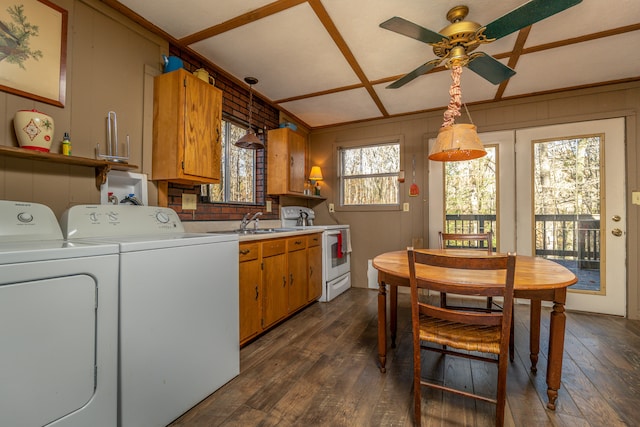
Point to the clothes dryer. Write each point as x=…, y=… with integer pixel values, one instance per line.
x=58, y=323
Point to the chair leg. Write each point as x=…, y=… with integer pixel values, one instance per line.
x=417, y=396
x=512, y=341
x=501, y=395
x=443, y=299
x=489, y=303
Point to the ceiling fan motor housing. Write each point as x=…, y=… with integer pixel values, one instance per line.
x=459, y=33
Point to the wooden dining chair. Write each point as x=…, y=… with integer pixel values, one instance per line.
x=480, y=241
x=478, y=335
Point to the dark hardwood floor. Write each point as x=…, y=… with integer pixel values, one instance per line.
x=320, y=369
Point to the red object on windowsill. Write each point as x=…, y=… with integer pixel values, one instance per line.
x=339, y=246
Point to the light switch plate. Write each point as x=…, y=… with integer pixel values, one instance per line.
x=635, y=197
x=268, y=207
x=405, y=207
x=189, y=201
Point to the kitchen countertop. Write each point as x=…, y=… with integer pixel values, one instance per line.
x=226, y=227
x=269, y=235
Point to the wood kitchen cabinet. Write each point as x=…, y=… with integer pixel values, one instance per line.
x=187, y=120
x=314, y=262
x=274, y=281
x=297, y=269
x=278, y=277
x=286, y=154
x=250, y=291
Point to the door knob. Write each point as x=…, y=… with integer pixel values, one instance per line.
x=616, y=218
x=616, y=232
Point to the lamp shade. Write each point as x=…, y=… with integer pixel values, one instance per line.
x=250, y=141
x=456, y=143
x=316, y=174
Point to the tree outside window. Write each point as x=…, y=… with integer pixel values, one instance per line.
x=369, y=175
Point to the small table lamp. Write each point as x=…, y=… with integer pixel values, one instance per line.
x=314, y=177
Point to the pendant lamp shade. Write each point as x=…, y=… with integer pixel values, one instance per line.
x=456, y=143
x=250, y=140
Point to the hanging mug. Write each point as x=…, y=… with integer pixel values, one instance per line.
x=203, y=75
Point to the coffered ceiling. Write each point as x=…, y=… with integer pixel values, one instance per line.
x=327, y=62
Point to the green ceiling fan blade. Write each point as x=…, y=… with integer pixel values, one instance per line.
x=490, y=68
x=427, y=66
x=525, y=15
x=409, y=29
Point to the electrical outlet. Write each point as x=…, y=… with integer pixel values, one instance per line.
x=268, y=207
x=189, y=201
x=405, y=207
x=332, y=207
x=635, y=197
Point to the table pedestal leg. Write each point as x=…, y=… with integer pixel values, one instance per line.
x=556, y=349
x=382, y=326
x=534, y=336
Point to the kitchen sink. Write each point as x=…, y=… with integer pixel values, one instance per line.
x=250, y=231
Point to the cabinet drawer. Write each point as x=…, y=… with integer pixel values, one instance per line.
x=273, y=247
x=314, y=240
x=296, y=243
x=248, y=251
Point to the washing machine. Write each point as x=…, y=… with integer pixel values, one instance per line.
x=179, y=308
x=58, y=323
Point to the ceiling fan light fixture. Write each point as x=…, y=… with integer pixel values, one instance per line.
x=456, y=143
x=250, y=140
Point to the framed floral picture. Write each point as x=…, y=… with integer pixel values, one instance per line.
x=33, y=50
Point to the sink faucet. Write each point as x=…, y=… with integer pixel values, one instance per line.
x=246, y=221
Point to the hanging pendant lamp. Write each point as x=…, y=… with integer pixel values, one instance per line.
x=456, y=142
x=250, y=140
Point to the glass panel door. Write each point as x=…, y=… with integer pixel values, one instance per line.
x=571, y=207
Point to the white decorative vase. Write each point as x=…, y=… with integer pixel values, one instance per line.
x=34, y=130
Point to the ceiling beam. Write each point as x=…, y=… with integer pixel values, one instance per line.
x=239, y=21
x=331, y=28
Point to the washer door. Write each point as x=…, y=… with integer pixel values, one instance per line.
x=47, y=356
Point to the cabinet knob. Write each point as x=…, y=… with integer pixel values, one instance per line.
x=244, y=251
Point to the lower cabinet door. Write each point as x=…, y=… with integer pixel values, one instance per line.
x=250, y=299
x=275, y=288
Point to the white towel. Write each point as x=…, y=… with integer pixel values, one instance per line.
x=346, y=241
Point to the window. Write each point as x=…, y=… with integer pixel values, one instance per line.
x=369, y=175
x=238, y=173
x=471, y=194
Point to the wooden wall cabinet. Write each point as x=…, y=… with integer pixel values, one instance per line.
x=286, y=155
x=187, y=120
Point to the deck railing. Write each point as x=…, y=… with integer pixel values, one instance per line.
x=571, y=237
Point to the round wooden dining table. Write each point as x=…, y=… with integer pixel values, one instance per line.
x=536, y=279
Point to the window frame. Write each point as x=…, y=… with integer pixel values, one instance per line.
x=363, y=143
x=225, y=170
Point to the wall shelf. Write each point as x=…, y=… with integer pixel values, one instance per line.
x=102, y=167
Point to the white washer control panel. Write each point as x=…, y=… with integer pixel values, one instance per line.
x=123, y=220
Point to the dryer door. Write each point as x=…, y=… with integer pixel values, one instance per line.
x=47, y=356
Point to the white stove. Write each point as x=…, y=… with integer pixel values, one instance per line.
x=336, y=249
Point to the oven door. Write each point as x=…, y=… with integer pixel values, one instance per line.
x=337, y=262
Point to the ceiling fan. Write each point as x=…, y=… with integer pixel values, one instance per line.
x=455, y=43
